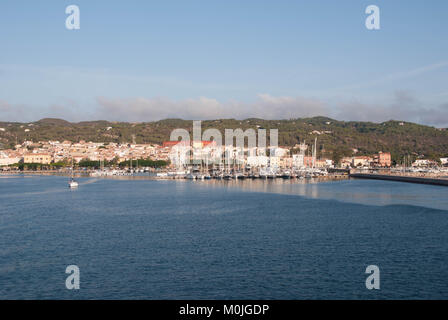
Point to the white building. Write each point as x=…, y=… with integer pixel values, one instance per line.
x=6, y=160
x=421, y=163
x=298, y=160
x=274, y=162
x=257, y=161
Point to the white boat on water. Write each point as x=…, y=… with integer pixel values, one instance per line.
x=73, y=184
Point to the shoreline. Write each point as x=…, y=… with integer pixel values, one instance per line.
x=146, y=176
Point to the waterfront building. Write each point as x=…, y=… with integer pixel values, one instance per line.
x=274, y=162
x=346, y=162
x=286, y=162
x=298, y=160
x=384, y=159
x=42, y=158
x=308, y=161
x=361, y=161
x=323, y=163
x=423, y=163
x=257, y=161
x=7, y=159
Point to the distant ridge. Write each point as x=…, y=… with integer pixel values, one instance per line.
x=335, y=138
x=52, y=121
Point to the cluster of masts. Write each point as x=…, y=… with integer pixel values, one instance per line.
x=198, y=173
x=228, y=159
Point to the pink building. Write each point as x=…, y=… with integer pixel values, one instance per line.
x=384, y=159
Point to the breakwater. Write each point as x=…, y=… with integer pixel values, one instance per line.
x=432, y=181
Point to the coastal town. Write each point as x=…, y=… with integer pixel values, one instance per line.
x=196, y=159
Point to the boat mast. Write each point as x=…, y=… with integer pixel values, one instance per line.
x=71, y=176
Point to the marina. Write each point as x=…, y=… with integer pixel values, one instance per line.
x=198, y=174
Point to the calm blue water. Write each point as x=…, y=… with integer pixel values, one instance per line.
x=135, y=239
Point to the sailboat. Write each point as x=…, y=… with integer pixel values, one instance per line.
x=72, y=184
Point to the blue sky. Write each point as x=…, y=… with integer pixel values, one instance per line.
x=146, y=60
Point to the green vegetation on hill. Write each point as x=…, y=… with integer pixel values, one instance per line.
x=336, y=138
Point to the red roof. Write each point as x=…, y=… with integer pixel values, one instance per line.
x=170, y=143
x=206, y=143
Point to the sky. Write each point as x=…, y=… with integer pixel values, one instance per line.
x=150, y=60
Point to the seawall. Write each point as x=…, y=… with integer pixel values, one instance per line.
x=438, y=182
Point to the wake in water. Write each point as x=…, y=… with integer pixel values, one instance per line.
x=59, y=188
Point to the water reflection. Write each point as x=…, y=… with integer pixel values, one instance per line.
x=371, y=192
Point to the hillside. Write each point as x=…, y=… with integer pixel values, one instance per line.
x=336, y=138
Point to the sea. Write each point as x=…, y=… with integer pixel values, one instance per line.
x=137, y=238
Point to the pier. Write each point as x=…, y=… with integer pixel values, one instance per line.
x=432, y=181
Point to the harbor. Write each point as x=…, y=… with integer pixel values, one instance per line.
x=198, y=173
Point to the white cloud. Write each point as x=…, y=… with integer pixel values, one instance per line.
x=266, y=106
x=400, y=106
